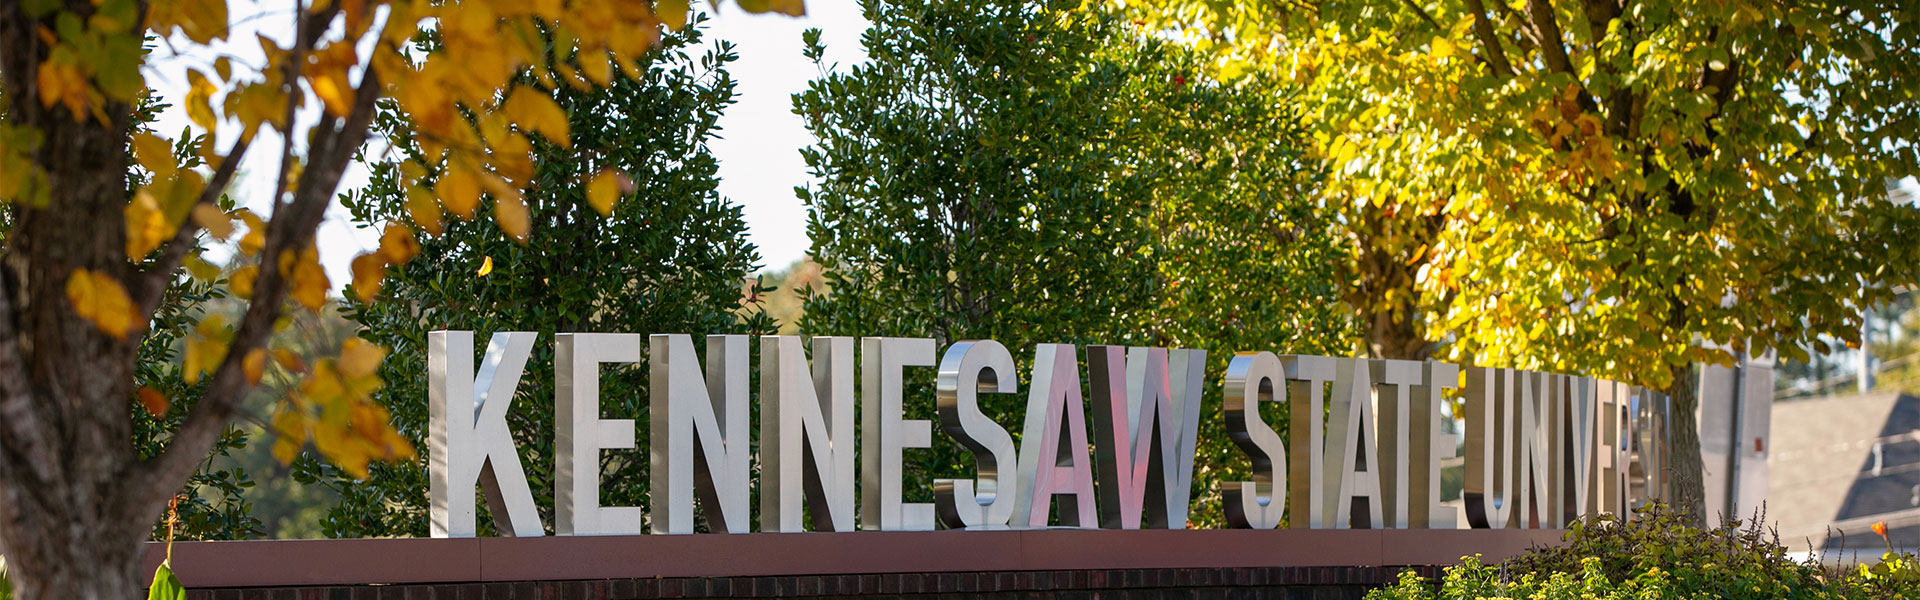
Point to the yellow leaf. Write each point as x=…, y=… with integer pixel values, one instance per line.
x=534, y=111
x=242, y=281
x=359, y=358
x=606, y=189
x=200, y=269
x=254, y=365
x=368, y=270
x=146, y=225
x=154, y=401
x=200, y=100
x=509, y=210
x=308, y=281
x=155, y=153
x=288, y=360
x=423, y=211
x=217, y=223
x=99, y=299
x=256, y=233
x=671, y=12
x=459, y=191
x=397, y=245
x=1440, y=48
x=64, y=83
x=486, y=266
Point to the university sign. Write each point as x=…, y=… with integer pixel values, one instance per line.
x=1367, y=438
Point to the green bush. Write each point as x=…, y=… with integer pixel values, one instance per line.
x=1658, y=555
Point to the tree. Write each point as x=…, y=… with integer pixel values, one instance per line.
x=1613, y=188
x=665, y=254
x=1031, y=173
x=78, y=284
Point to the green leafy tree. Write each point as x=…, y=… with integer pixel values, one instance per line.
x=1028, y=172
x=664, y=255
x=1613, y=188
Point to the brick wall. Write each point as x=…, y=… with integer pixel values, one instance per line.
x=1288, y=583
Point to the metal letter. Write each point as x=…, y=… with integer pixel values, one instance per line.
x=468, y=442
x=1490, y=409
x=1307, y=378
x=1253, y=378
x=1357, y=440
x=579, y=434
x=699, y=438
x=1393, y=411
x=1538, y=460
x=1054, y=402
x=1431, y=446
x=1145, y=430
x=806, y=434
x=968, y=369
x=884, y=433
x=1582, y=408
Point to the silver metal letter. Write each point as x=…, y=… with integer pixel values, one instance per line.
x=1582, y=408
x=699, y=438
x=1432, y=445
x=1145, y=429
x=1050, y=465
x=579, y=434
x=467, y=437
x=1490, y=408
x=884, y=433
x=1539, y=460
x=806, y=433
x=968, y=369
x=1307, y=378
x=1353, y=410
x=1253, y=378
x=1393, y=382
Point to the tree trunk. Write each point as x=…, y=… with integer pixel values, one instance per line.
x=1687, y=470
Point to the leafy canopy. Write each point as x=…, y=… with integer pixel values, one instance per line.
x=1600, y=186
x=661, y=253
x=1028, y=172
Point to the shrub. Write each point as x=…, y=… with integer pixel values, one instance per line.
x=1658, y=555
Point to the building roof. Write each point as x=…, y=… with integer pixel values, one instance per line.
x=1842, y=463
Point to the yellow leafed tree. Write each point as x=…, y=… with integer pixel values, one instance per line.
x=89, y=257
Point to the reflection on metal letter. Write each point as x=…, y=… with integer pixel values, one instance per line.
x=1307, y=378
x=1356, y=438
x=698, y=433
x=1490, y=423
x=468, y=437
x=1431, y=446
x=885, y=433
x=1394, y=413
x=806, y=433
x=1253, y=378
x=579, y=434
x=1145, y=429
x=968, y=369
x=1049, y=464
x=1581, y=422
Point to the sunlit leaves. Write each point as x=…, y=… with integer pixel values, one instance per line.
x=605, y=189
x=99, y=298
x=332, y=408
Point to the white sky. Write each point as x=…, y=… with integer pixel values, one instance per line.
x=759, y=156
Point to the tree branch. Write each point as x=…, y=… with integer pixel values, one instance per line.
x=151, y=285
x=1422, y=13
x=291, y=229
x=1483, y=30
x=1547, y=32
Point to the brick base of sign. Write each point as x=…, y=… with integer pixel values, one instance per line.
x=1286, y=583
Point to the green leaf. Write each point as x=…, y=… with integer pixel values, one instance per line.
x=165, y=586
